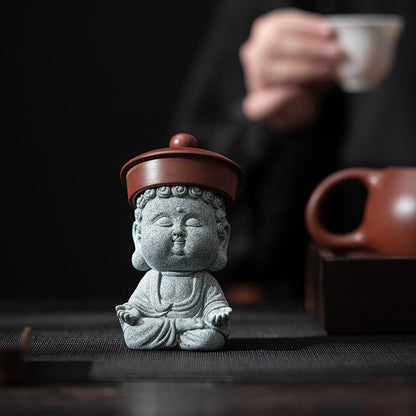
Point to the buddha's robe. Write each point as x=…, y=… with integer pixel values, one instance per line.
x=157, y=327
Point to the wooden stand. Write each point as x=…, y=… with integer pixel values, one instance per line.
x=361, y=292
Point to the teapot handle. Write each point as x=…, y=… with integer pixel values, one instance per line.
x=313, y=212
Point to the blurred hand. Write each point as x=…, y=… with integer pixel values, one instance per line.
x=289, y=61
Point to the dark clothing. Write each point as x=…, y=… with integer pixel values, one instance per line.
x=376, y=128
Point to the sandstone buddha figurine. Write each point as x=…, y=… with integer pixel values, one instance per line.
x=180, y=197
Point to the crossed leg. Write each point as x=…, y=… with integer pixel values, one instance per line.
x=201, y=339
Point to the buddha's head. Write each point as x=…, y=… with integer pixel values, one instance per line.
x=180, y=228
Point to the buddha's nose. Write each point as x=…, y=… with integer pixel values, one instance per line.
x=178, y=234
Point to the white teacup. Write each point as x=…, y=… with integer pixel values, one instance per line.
x=369, y=43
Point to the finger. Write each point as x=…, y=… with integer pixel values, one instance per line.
x=260, y=74
x=299, y=21
x=305, y=47
x=293, y=21
x=275, y=28
x=286, y=44
x=120, y=307
x=294, y=71
x=261, y=104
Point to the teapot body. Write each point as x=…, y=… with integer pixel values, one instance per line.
x=390, y=214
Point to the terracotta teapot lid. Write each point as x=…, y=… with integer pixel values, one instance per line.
x=182, y=163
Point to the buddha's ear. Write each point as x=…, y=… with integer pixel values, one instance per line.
x=135, y=232
x=221, y=259
x=137, y=258
x=225, y=236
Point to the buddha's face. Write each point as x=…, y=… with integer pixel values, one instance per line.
x=178, y=234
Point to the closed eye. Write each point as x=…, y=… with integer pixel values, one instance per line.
x=164, y=222
x=193, y=222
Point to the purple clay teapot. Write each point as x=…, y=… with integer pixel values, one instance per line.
x=389, y=219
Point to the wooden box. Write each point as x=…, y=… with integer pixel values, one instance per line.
x=360, y=292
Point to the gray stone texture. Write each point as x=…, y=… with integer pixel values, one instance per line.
x=180, y=234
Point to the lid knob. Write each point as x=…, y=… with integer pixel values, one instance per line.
x=183, y=140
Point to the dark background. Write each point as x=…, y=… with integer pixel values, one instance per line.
x=89, y=85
